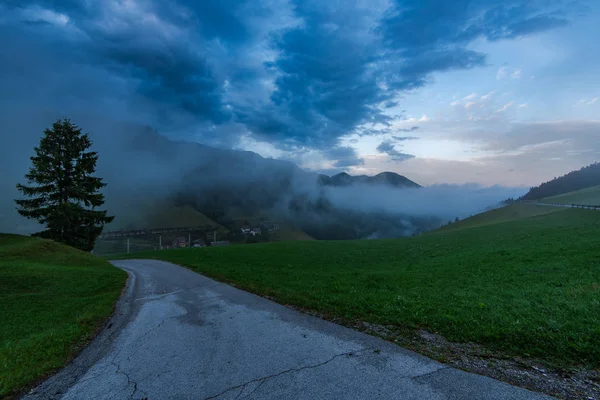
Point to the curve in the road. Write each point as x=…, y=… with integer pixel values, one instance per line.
x=180, y=335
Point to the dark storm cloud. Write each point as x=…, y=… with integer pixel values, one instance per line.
x=429, y=36
x=387, y=147
x=332, y=80
x=344, y=156
x=440, y=22
x=167, y=51
x=324, y=86
x=414, y=26
x=162, y=58
x=299, y=74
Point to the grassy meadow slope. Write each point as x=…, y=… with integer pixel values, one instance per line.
x=589, y=196
x=52, y=300
x=174, y=217
x=513, y=212
x=162, y=215
x=527, y=286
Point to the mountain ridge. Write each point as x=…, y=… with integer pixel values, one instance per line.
x=582, y=178
x=222, y=184
x=383, y=178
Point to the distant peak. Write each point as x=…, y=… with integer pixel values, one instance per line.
x=387, y=173
x=386, y=178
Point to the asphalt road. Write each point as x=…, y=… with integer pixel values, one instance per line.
x=179, y=335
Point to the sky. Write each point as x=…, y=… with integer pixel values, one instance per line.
x=469, y=91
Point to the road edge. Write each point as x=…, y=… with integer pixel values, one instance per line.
x=57, y=384
x=514, y=377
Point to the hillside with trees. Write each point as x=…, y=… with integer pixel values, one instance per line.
x=576, y=180
x=224, y=185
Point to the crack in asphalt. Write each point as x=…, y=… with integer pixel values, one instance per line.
x=142, y=337
x=129, y=356
x=120, y=390
x=292, y=370
x=252, y=392
x=287, y=371
x=129, y=381
x=240, y=393
x=137, y=340
x=117, y=365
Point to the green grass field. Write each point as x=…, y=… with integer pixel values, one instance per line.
x=589, y=196
x=527, y=286
x=52, y=299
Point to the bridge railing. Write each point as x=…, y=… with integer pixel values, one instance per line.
x=584, y=206
x=156, y=231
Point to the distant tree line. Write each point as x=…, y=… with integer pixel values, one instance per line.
x=576, y=180
x=450, y=222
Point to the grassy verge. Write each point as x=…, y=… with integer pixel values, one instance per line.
x=527, y=287
x=52, y=299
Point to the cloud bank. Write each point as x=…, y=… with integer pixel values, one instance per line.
x=442, y=201
x=297, y=74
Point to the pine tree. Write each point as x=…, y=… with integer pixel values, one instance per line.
x=64, y=195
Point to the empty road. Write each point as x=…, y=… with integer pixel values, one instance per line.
x=179, y=335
